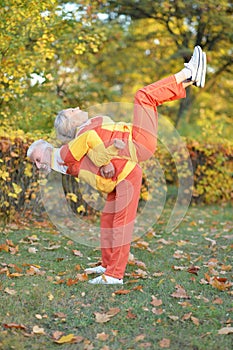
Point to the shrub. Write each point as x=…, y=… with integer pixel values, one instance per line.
x=20, y=190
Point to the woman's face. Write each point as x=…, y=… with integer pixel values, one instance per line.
x=77, y=116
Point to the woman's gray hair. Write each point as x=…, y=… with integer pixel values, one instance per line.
x=65, y=130
x=37, y=143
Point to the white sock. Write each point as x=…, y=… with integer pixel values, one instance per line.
x=187, y=72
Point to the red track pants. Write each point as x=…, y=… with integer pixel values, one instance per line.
x=119, y=213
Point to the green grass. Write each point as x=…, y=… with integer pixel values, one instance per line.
x=137, y=325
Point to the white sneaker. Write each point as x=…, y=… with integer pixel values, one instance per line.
x=201, y=82
x=195, y=65
x=106, y=280
x=96, y=269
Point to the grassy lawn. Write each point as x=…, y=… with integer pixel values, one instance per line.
x=45, y=297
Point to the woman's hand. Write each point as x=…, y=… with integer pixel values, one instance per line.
x=107, y=171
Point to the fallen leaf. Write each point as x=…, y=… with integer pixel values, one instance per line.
x=180, y=293
x=213, y=242
x=15, y=274
x=102, y=336
x=105, y=317
x=173, y=318
x=139, y=337
x=57, y=334
x=15, y=267
x=186, y=316
x=77, y=253
x=50, y=296
x=179, y=254
x=70, y=338
x=194, y=269
x=33, y=270
x=158, y=274
x=163, y=241
x=122, y=291
x=38, y=330
x=32, y=250
x=38, y=316
x=157, y=311
x=140, y=288
x=139, y=273
x=14, y=325
x=130, y=315
x=52, y=247
x=178, y=268
x=185, y=304
x=113, y=311
x=155, y=301
x=225, y=330
x=82, y=277
x=220, y=283
x=142, y=244
x=195, y=320
x=218, y=301
x=164, y=343
x=71, y=282
x=101, y=318
x=60, y=315
x=226, y=267
x=10, y=291
x=4, y=247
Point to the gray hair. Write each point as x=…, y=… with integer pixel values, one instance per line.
x=35, y=144
x=65, y=130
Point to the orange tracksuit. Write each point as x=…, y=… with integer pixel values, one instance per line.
x=95, y=139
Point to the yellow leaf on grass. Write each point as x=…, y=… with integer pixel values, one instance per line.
x=70, y=338
x=50, y=296
x=65, y=339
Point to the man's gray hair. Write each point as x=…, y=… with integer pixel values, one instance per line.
x=65, y=131
x=37, y=143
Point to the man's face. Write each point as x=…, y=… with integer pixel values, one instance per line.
x=77, y=116
x=41, y=156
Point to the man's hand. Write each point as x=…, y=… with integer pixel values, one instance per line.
x=107, y=171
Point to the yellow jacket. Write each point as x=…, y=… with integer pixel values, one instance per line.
x=94, y=147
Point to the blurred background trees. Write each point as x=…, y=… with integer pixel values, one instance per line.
x=56, y=54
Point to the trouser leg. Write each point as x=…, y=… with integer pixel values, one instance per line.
x=145, y=122
x=115, y=240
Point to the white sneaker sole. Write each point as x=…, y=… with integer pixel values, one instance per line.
x=198, y=76
x=201, y=82
x=105, y=280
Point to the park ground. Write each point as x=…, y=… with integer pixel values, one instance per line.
x=177, y=292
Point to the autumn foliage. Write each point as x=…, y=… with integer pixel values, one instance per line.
x=19, y=181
